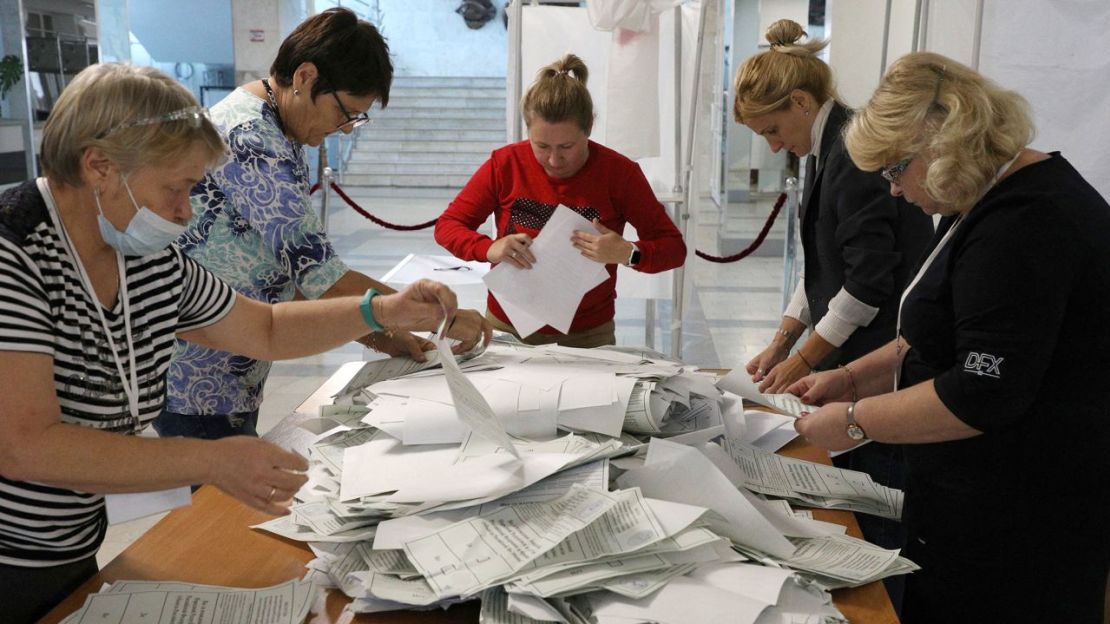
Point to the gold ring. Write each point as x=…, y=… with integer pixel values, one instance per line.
x=273, y=490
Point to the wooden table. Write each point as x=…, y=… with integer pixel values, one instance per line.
x=210, y=542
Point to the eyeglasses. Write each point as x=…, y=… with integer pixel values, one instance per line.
x=353, y=121
x=193, y=114
x=894, y=172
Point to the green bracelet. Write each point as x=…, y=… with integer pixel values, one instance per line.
x=368, y=310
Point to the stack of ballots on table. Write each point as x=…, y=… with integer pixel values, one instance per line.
x=156, y=602
x=502, y=483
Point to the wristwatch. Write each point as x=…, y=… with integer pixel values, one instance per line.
x=854, y=431
x=634, y=257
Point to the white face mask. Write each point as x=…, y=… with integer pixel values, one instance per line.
x=146, y=234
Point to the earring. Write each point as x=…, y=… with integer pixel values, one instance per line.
x=296, y=91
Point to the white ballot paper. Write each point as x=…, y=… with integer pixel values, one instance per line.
x=446, y=269
x=550, y=292
x=472, y=407
x=125, y=602
x=127, y=507
x=740, y=382
x=813, y=484
x=682, y=601
x=682, y=474
x=477, y=553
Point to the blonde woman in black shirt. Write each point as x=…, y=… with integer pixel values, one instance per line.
x=1000, y=366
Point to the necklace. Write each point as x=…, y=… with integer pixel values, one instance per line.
x=273, y=103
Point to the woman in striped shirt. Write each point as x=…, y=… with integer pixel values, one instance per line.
x=93, y=296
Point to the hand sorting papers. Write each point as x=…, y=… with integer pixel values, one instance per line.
x=740, y=382
x=549, y=293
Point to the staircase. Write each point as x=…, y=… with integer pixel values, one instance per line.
x=434, y=135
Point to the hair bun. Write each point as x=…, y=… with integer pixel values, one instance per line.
x=784, y=33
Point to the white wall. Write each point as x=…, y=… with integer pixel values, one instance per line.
x=252, y=57
x=1056, y=54
x=198, y=31
x=771, y=11
x=855, y=29
x=427, y=38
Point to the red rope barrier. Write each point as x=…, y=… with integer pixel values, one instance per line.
x=701, y=254
x=362, y=211
x=755, y=243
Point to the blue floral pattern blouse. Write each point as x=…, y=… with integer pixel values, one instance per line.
x=255, y=227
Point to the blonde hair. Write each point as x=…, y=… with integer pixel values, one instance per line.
x=559, y=94
x=104, y=96
x=765, y=81
x=930, y=106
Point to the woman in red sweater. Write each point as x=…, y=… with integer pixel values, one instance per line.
x=523, y=183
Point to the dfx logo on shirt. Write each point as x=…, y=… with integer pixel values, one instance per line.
x=983, y=364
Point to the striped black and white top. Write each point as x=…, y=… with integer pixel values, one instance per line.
x=45, y=308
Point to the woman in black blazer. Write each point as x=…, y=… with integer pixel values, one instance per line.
x=860, y=242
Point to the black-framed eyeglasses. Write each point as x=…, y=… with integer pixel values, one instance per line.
x=193, y=114
x=353, y=121
x=894, y=172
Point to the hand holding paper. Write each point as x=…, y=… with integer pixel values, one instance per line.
x=550, y=292
x=739, y=382
x=606, y=247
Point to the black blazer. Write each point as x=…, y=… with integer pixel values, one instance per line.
x=857, y=236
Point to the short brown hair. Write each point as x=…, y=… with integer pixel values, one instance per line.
x=964, y=124
x=764, y=81
x=105, y=96
x=349, y=54
x=560, y=94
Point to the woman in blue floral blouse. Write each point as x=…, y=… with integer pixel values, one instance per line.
x=253, y=221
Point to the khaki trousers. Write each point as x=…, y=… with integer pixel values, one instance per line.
x=604, y=334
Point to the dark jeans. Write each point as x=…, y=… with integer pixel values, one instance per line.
x=885, y=464
x=29, y=593
x=170, y=424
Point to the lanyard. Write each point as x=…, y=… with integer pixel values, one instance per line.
x=929, y=261
x=130, y=382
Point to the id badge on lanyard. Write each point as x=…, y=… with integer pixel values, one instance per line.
x=929, y=261
x=129, y=378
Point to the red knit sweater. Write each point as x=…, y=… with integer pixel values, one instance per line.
x=609, y=187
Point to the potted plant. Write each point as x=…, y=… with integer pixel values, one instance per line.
x=11, y=72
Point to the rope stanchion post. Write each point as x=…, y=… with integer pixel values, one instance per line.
x=326, y=182
x=790, y=243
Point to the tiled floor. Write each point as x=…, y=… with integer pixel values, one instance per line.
x=733, y=308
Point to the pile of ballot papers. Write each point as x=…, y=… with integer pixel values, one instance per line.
x=573, y=485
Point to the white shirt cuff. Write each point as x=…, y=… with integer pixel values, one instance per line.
x=799, y=306
x=846, y=313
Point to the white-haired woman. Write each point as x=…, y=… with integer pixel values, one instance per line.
x=93, y=297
